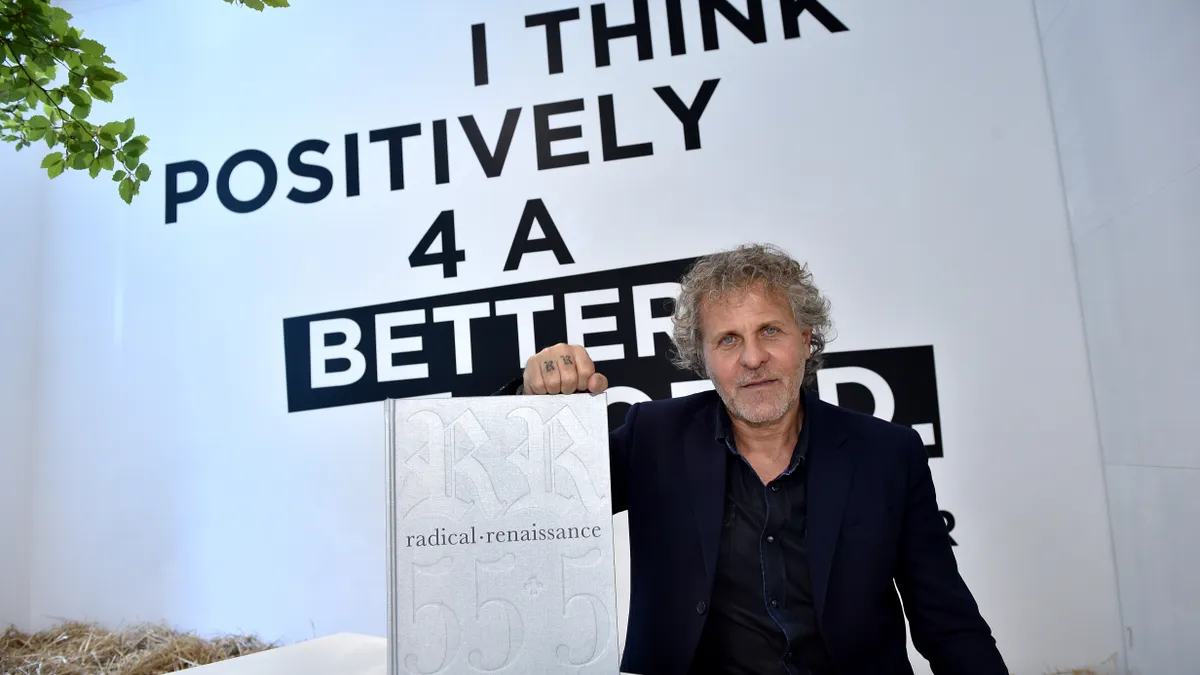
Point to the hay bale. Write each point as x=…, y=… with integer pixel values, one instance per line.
x=77, y=648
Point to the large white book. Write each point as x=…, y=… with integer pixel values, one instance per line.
x=500, y=546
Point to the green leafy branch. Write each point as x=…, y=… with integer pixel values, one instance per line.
x=37, y=45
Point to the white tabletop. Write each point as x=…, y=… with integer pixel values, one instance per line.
x=341, y=654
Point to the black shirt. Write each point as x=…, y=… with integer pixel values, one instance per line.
x=762, y=619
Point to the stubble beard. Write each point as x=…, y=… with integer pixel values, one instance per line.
x=762, y=407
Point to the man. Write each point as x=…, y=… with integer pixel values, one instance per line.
x=769, y=531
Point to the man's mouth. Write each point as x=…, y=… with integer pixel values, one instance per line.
x=758, y=384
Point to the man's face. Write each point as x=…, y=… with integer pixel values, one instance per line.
x=755, y=353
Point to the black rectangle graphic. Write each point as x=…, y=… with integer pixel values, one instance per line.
x=472, y=343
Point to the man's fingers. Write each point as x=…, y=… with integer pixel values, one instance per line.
x=569, y=374
x=562, y=369
x=583, y=366
x=533, y=380
x=550, y=374
x=597, y=383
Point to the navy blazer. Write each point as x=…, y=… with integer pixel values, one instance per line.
x=873, y=527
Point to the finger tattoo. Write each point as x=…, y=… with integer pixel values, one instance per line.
x=549, y=366
x=567, y=359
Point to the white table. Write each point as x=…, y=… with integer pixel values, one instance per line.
x=341, y=654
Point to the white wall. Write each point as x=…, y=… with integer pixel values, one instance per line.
x=910, y=161
x=21, y=192
x=1126, y=101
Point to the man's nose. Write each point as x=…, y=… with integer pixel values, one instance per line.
x=753, y=355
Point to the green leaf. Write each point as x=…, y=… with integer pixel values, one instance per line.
x=94, y=169
x=39, y=122
x=79, y=97
x=134, y=148
x=55, y=170
x=102, y=74
x=118, y=175
x=58, y=24
x=81, y=161
x=101, y=91
x=128, y=132
x=126, y=190
x=105, y=159
x=90, y=46
x=143, y=172
x=254, y=4
x=113, y=128
x=81, y=111
x=51, y=138
x=52, y=159
x=107, y=140
x=71, y=138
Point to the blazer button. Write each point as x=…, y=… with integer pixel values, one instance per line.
x=701, y=607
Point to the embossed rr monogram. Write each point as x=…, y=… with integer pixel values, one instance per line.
x=541, y=457
x=437, y=467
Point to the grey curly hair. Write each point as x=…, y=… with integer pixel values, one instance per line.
x=737, y=269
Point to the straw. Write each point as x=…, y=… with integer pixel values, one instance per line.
x=77, y=648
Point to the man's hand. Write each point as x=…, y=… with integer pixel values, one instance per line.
x=562, y=369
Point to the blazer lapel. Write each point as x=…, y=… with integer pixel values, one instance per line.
x=704, y=466
x=830, y=473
